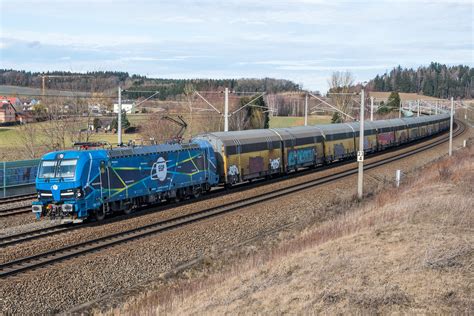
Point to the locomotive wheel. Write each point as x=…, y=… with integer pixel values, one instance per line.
x=177, y=198
x=127, y=210
x=99, y=214
x=196, y=193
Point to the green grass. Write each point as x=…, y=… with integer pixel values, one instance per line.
x=290, y=121
x=9, y=136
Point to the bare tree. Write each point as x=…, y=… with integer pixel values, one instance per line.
x=28, y=134
x=189, y=93
x=157, y=129
x=341, y=85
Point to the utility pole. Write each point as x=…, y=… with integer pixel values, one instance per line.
x=436, y=110
x=451, y=127
x=418, y=103
x=360, y=153
x=43, y=85
x=400, y=109
x=371, y=109
x=226, y=110
x=119, y=120
x=306, y=110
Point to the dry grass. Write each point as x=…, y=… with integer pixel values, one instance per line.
x=405, y=250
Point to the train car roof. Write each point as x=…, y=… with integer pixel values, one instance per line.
x=142, y=150
x=298, y=131
x=389, y=123
x=250, y=136
x=74, y=154
x=338, y=128
x=368, y=125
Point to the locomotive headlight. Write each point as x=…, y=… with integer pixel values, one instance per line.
x=67, y=208
x=79, y=193
x=39, y=195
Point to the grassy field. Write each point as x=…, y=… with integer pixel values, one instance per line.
x=290, y=121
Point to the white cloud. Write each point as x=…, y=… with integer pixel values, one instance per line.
x=89, y=40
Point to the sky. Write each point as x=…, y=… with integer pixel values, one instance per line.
x=301, y=40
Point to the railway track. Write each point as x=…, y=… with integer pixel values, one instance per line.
x=50, y=257
x=17, y=210
x=33, y=234
x=45, y=232
x=18, y=198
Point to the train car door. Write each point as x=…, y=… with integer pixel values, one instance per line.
x=104, y=180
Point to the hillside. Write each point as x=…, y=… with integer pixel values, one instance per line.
x=383, y=96
x=108, y=81
x=407, y=250
x=37, y=92
x=436, y=80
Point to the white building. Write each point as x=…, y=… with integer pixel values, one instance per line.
x=126, y=107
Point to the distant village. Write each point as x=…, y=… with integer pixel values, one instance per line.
x=14, y=111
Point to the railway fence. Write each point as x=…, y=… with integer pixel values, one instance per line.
x=18, y=177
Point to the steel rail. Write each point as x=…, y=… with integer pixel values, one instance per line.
x=45, y=232
x=78, y=249
x=17, y=210
x=18, y=198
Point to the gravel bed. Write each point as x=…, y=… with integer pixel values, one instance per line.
x=57, y=241
x=86, y=278
x=27, y=227
x=15, y=204
x=16, y=221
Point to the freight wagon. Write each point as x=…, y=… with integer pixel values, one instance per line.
x=74, y=185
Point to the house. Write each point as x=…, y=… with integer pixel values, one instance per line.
x=25, y=117
x=7, y=112
x=97, y=109
x=127, y=107
x=13, y=101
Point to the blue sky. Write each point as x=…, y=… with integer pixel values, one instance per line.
x=301, y=40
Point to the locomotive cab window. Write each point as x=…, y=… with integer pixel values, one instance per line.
x=47, y=169
x=57, y=169
x=66, y=168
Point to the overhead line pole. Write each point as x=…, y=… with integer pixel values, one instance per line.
x=360, y=154
x=119, y=120
x=226, y=110
x=451, y=128
x=306, y=110
x=371, y=109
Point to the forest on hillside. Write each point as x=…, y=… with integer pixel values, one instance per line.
x=436, y=80
x=103, y=81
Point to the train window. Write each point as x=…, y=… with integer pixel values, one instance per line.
x=66, y=168
x=47, y=169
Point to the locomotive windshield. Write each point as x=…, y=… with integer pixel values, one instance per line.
x=57, y=168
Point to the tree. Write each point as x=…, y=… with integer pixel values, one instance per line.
x=28, y=134
x=340, y=88
x=436, y=80
x=189, y=93
x=125, y=122
x=393, y=104
x=97, y=123
x=253, y=116
x=336, y=118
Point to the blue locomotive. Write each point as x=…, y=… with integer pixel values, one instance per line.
x=74, y=185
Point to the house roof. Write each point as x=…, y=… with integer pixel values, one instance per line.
x=6, y=104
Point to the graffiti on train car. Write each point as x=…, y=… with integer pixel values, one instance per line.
x=300, y=156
